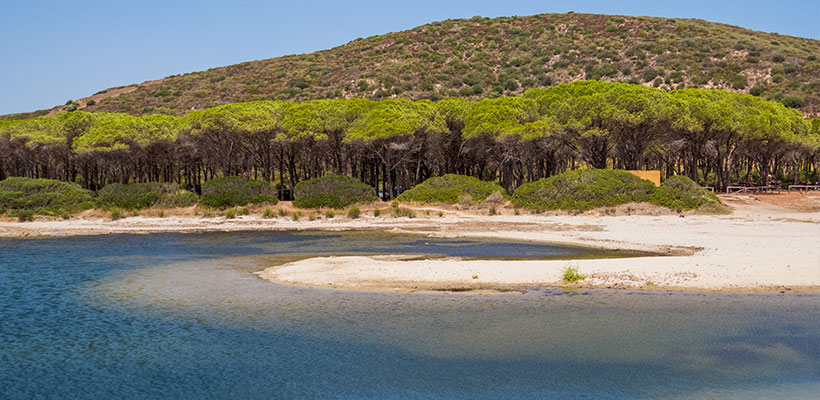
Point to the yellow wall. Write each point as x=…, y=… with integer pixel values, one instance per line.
x=652, y=176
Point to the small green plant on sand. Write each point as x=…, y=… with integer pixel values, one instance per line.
x=377, y=212
x=282, y=212
x=492, y=211
x=402, y=212
x=329, y=214
x=230, y=213
x=354, y=212
x=296, y=215
x=116, y=213
x=571, y=275
x=268, y=213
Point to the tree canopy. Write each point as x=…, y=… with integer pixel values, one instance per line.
x=715, y=137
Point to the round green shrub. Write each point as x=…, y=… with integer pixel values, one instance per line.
x=681, y=193
x=334, y=191
x=43, y=196
x=180, y=198
x=451, y=189
x=234, y=191
x=582, y=190
x=136, y=196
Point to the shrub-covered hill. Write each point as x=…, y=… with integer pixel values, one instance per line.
x=485, y=57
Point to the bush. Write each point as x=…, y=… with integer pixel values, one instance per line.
x=571, y=275
x=268, y=213
x=399, y=212
x=354, y=212
x=25, y=216
x=583, y=190
x=117, y=213
x=681, y=193
x=234, y=191
x=43, y=196
x=334, y=191
x=453, y=189
x=137, y=196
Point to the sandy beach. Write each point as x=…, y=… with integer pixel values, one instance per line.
x=770, y=243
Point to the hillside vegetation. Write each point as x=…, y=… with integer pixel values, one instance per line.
x=488, y=57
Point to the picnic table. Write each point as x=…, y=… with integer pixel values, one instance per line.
x=747, y=189
x=804, y=187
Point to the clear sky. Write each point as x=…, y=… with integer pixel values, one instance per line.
x=53, y=51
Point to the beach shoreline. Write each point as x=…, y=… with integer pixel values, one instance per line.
x=762, y=246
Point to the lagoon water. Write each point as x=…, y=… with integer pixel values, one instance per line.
x=182, y=316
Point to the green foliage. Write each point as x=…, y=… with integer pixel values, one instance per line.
x=329, y=214
x=43, y=196
x=571, y=275
x=117, y=213
x=582, y=190
x=449, y=189
x=399, y=212
x=792, y=101
x=24, y=216
x=354, y=212
x=137, y=196
x=334, y=191
x=236, y=191
x=230, y=213
x=681, y=193
x=268, y=213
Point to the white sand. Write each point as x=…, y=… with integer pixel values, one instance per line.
x=760, y=247
x=754, y=249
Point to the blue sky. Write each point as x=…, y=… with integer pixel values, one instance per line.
x=53, y=51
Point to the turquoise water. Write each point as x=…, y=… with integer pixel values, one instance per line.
x=182, y=316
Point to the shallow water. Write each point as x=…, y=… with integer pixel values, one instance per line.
x=182, y=316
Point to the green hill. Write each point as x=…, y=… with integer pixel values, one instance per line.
x=487, y=57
